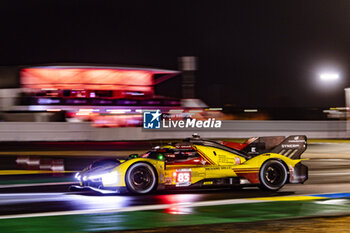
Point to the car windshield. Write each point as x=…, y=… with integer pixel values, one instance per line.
x=104, y=162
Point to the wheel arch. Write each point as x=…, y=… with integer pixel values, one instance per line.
x=280, y=160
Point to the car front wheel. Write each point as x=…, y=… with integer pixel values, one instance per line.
x=141, y=178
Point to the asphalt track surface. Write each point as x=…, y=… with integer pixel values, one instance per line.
x=328, y=174
x=325, y=176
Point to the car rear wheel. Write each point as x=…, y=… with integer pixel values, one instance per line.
x=273, y=175
x=141, y=178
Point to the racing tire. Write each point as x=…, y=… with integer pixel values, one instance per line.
x=273, y=175
x=141, y=178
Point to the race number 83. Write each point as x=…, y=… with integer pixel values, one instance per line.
x=183, y=177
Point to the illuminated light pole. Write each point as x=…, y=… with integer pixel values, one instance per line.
x=347, y=102
x=188, y=66
x=330, y=80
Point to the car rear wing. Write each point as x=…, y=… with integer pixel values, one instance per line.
x=292, y=146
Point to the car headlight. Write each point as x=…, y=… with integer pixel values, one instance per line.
x=77, y=176
x=109, y=178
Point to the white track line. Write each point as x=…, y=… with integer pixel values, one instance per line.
x=30, y=194
x=145, y=207
x=32, y=185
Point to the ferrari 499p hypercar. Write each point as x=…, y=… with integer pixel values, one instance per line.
x=267, y=162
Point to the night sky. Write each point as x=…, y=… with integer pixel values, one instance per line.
x=250, y=53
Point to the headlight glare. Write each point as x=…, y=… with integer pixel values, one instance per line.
x=77, y=176
x=110, y=178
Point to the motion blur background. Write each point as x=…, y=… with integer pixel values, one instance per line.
x=74, y=61
x=76, y=77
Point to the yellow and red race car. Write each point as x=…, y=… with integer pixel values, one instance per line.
x=267, y=162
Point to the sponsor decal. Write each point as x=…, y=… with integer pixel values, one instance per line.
x=290, y=146
x=297, y=139
x=184, y=147
x=237, y=160
x=208, y=183
x=168, y=180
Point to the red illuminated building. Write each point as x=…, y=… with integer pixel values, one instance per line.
x=94, y=85
x=92, y=82
x=108, y=96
